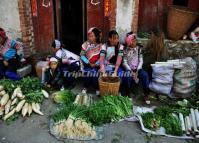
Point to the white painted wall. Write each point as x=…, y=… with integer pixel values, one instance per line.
x=9, y=18
x=124, y=17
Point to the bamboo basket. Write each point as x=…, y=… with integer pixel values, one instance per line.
x=180, y=19
x=109, y=87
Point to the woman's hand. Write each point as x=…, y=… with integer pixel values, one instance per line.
x=135, y=76
x=92, y=65
x=104, y=74
x=5, y=63
x=114, y=74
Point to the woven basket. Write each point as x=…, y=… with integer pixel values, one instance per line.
x=109, y=87
x=180, y=19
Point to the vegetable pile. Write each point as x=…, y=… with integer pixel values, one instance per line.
x=159, y=118
x=78, y=120
x=64, y=97
x=174, y=122
x=22, y=97
x=71, y=120
x=109, y=109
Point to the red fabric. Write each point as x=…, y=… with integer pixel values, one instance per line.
x=2, y=33
x=94, y=59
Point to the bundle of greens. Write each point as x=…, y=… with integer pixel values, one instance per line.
x=63, y=113
x=151, y=121
x=172, y=125
x=30, y=84
x=9, y=85
x=64, y=97
x=163, y=116
x=79, y=121
x=27, y=85
x=22, y=96
x=36, y=97
x=110, y=108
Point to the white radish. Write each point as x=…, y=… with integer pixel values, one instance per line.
x=85, y=100
x=77, y=99
x=7, y=107
x=1, y=88
x=16, y=91
x=2, y=108
x=20, y=105
x=193, y=118
x=29, y=109
x=34, y=108
x=12, y=107
x=182, y=122
x=20, y=95
x=13, y=95
x=188, y=124
x=14, y=101
x=9, y=114
x=45, y=93
x=4, y=99
x=197, y=117
x=25, y=110
x=37, y=106
x=2, y=92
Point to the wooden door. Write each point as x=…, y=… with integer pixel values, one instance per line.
x=152, y=14
x=43, y=25
x=97, y=18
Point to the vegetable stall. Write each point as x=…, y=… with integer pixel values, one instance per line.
x=80, y=117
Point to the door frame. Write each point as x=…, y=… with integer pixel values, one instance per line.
x=58, y=22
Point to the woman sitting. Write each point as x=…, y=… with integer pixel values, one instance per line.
x=111, y=55
x=90, y=54
x=9, y=59
x=132, y=62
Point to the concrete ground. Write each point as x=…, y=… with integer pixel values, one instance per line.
x=35, y=129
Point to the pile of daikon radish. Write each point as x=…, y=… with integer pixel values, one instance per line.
x=9, y=105
x=190, y=124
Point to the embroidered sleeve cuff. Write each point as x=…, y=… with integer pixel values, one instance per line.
x=84, y=59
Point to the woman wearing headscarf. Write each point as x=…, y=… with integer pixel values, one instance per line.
x=132, y=63
x=90, y=55
x=9, y=59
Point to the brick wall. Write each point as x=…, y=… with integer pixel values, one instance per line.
x=26, y=26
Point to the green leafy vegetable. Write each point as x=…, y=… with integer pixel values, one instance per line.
x=110, y=108
x=65, y=96
x=151, y=121
x=163, y=116
x=36, y=97
x=172, y=125
x=63, y=113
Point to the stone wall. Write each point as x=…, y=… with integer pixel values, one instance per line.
x=9, y=18
x=178, y=50
x=16, y=19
